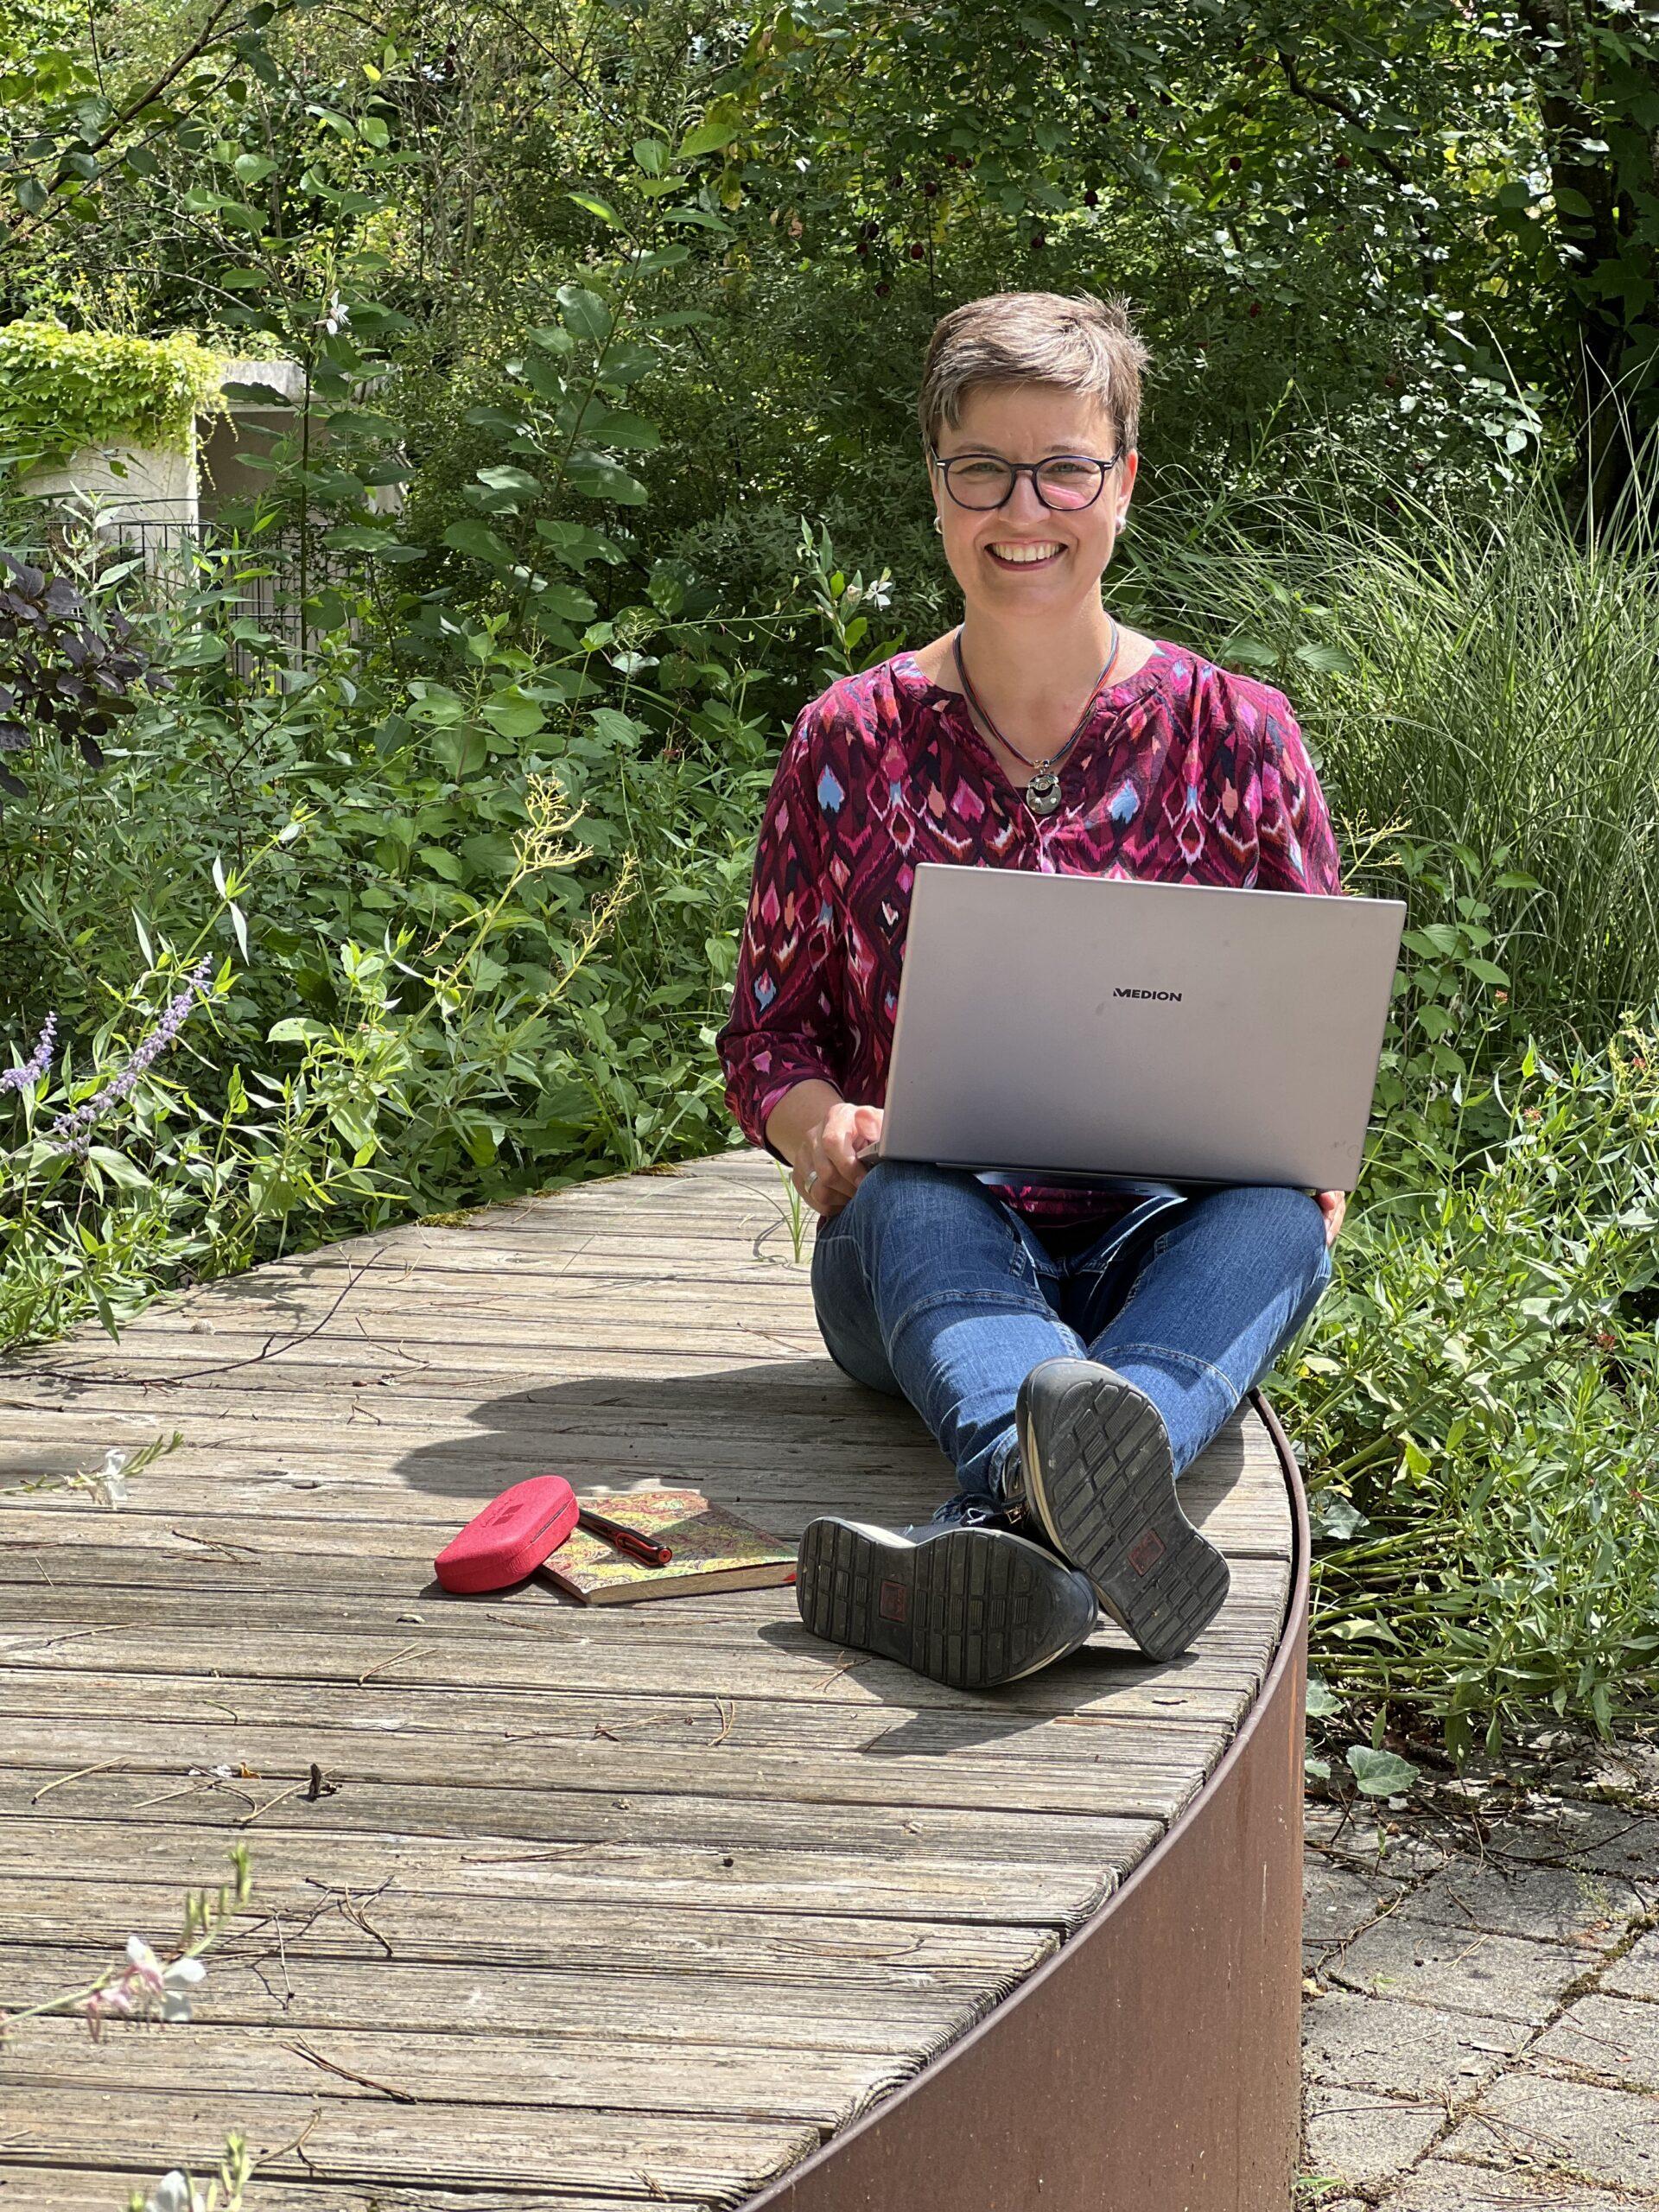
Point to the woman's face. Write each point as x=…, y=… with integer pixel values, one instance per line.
x=1030, y=421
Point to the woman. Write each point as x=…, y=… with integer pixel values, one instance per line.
x=1072, y=1351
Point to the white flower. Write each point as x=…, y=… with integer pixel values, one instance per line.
x=108, y=1484
x=173, y=2193
x=338, y=317
x=172, y=1984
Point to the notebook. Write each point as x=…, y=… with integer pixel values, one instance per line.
x=713, y=1549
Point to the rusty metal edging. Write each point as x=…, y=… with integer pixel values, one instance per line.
x=1154, y=2063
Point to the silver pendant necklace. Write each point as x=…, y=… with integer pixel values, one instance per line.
x=1042, y=794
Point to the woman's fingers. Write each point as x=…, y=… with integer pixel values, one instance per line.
x=833, y=1171
x=1333, y=1205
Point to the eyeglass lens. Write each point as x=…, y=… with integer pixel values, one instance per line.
x=980, y=481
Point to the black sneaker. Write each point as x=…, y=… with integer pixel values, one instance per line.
x=962, y=1599
x=1099, y=1481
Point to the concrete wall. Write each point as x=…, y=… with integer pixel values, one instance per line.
x=154, y=485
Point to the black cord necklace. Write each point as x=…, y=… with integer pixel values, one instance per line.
x=1042, y=794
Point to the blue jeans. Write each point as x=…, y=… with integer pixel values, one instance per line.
x=930, y=1287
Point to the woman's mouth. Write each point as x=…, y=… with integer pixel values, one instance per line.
x=1011, y=554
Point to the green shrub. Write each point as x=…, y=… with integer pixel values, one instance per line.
x=60, y=390
x=1475, y=1404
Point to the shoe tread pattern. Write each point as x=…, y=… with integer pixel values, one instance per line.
x=975, y=1614
x=1106, y=1478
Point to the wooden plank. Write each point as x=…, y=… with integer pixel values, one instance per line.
x=564, y=1818
x=925, y=1762
x=691, y=1716
x=631, y=2156
x=615, y=2073
x=347, y=1487
x=89, y=2188
x=1008, y=1883
x=895, y=2019
x=1199, y=1687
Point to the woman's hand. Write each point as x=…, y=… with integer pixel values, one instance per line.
x=1333, y=1205
x=827, y=1168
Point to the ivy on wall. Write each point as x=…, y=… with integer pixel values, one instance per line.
x=61, y=389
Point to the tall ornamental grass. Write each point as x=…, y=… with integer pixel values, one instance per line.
x=1490, y=680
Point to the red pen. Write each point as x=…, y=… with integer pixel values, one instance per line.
x=644, y=1548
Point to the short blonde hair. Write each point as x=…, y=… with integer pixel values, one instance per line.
x=1079, y=342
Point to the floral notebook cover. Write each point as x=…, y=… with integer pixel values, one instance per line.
x=713, y=1549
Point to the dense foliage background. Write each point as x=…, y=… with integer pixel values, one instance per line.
x=385, y=856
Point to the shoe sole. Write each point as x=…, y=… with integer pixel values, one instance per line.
x=964, y=1611
x=1104, y=1487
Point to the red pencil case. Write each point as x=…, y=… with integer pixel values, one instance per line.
x=511, y=1537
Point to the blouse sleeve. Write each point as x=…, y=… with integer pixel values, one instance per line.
x=1296, y=846
x=784, y=1028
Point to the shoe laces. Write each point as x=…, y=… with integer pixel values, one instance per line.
x=967, y=1512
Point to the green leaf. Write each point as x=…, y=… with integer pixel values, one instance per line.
x=614, y=426
x=1381, y=1774
x=598, y=478
x=650, y=154
x=120, y=1170
x=595, y=206
x=1327, y=660
x=198, y=649
x=1322, y=1700
x=585, y=313
x=502, y=476
x=717, y=130
x=483, y=545
x=359, y=538
x=513, y=718
x=574, y=542
x=564, y=602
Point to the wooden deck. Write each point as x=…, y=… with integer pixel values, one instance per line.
x=633, y=1904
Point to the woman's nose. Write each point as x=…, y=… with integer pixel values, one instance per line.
x=1023, y=504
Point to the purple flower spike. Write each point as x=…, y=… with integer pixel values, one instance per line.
x=72, y=1132
x=37, y=1063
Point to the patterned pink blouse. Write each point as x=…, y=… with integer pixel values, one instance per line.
x=1185, y=773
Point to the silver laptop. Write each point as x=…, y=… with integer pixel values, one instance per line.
x=1070, y=1026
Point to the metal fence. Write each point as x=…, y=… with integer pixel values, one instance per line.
x=259, y=587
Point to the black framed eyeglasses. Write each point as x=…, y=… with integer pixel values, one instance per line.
x=1064, y=481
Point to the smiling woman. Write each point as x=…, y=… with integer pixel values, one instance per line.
x=997, y=1307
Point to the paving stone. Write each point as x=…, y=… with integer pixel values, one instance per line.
x=1611, y=1840
x=1407, y=2051
x=1439, y=2186
x=1395, y=1851
x=1628, y=1765
x=1593, y=2135
x=1361, y=2139
x=1609, y=2036
x=1508, y=1898
x=1337, y=1903
x=1637, y=1975
x=1496, y=1976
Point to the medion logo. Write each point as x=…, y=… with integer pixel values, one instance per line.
x=1123, y=991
